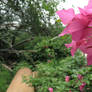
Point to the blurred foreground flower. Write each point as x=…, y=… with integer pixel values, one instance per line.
x=79, y=26
x=50, y=89
x=67, y=78
x=82, y=86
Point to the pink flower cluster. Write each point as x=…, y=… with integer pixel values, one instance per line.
x=79, y=26
x=80, y=77
x=81, y=87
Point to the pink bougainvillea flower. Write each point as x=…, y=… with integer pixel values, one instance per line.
x=80, y=77
x=50, y=89
x=67, y=78
x=79, y=26
x=82, y=86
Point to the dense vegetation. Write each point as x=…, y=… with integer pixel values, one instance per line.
x=28, y=38
x=53, y=73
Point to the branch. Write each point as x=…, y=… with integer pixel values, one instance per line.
x=7, y=67
x=17, y=51
x=22, y=42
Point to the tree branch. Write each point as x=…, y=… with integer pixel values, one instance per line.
x=7, y=67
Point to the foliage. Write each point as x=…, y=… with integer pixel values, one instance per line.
x=22, y=64
x=21, y=22
x=5, y=78
x=53, y=75
x=47, y=48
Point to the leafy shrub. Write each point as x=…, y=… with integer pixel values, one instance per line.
x=53, y=75
x=49, y=48
x=22, y=64
x=5, y=78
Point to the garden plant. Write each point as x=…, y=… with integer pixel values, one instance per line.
x=29, y=39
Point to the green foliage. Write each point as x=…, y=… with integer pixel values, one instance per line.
x=47, y=48
x=22, y=64
x=21, y=22
x=53, y=74
x=5, y=78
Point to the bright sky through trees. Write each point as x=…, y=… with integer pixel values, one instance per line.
x=72, y=3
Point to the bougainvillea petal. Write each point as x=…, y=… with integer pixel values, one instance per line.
x=89, y=59
x=65, y=31
x=90, y=24
x=73, y=47
x=89, y=6
x=82, y=11
x=66, y=15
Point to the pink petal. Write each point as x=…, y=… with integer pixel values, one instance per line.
x=89, y=11
x=82, y=34
x=89, y=59
x=74, y=47
x=88, y=8
x=75, y=25
x=65, y=31
x=90, y=24
x=66, y=15
x=87, y=33
x=89, y=4
x=76, y=36
x=82, y=11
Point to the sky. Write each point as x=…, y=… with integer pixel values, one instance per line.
x=72, y=3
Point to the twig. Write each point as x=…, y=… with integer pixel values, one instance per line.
x=7, y=67
x=22, y=42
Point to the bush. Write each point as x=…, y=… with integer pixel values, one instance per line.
x=48, y=48
x=22, y=64
x=5, y=78
x=53, y=75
